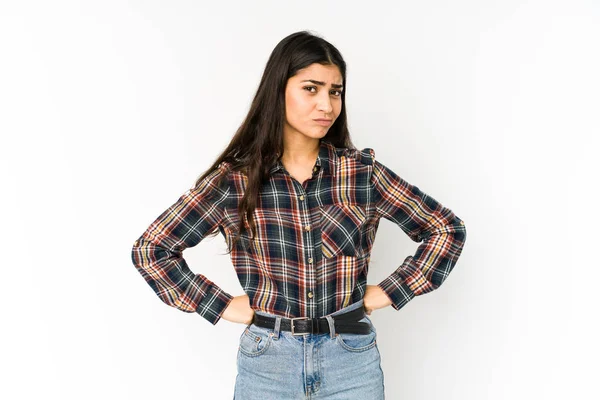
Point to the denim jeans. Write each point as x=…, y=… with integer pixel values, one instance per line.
x=275, y=365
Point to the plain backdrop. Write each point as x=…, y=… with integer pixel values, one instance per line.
x=110, y=110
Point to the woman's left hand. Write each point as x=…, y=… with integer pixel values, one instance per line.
x=375, y=298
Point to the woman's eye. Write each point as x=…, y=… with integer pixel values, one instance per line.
x=337, y=93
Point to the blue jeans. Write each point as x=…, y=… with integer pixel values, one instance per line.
x=275, y=365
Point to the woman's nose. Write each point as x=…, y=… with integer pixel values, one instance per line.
x=325, y=105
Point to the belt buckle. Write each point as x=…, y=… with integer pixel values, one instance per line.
x=292, y=324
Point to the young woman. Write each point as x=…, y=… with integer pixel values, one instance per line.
x=299, y=207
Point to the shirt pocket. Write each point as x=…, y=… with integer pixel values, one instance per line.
x=341, y=226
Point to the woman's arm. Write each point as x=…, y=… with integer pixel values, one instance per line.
x=157, y=253
x=423, y=219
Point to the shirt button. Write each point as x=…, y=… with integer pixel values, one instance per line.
x=315, y=169
x=307, y=227
x=302, y=197
x=310, y=295
x=462, y=222
x=310, y=260
x=135, y=243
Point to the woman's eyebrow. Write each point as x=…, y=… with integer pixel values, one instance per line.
x=335, y=85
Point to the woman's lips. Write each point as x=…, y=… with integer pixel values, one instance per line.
x=324, y=122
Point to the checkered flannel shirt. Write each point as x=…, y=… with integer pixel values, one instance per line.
x=310, y=256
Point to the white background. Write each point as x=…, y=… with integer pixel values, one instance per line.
x=110, y=110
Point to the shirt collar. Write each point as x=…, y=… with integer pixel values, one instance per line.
x=325, y=159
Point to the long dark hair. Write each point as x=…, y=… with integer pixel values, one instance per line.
x=258, y=142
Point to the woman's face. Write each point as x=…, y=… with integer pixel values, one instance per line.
x=313, y=93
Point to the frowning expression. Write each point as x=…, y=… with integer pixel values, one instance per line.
x=313, y=100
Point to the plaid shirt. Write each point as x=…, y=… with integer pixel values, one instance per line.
x=310, y=256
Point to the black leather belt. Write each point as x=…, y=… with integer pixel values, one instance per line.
x=344, y=323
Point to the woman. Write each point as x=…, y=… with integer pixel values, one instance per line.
x=299, y=207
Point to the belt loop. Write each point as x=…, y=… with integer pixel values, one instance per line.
x=277, y=328
x=331, y=326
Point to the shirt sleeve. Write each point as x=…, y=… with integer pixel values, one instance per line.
x=441, y=233
x=157, y=253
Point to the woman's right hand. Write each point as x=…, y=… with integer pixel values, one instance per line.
x=239, y=310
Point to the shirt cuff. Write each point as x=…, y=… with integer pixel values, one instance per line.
x=396, y=288
x=213, y=304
